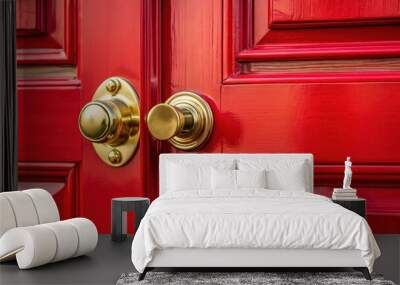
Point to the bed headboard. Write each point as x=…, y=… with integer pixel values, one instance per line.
x=171, y=157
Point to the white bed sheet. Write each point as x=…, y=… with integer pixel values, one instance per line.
x=250, y=218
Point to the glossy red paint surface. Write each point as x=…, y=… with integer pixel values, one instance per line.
x=331, y=121
x=333, y=12
x=52, y=151
x=47, y=112
x=60, y=179
x=330, y=114
x=111, y=47
x=163, y=47
x=29, y=17
x=191, y=53
x=334, y=43
x=46, y=31
x=378, y=184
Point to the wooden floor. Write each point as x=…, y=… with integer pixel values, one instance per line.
x=111, y=259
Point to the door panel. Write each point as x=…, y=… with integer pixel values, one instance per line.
x=61, y=63
x=46, y=126
x=46, y=32
x=333, y=12
x=191, y=52
x=59, y=178
x=107, y=50
x=309, y=32
x=298, y=76
x=331, y=121
x=319, y=77
x=49, y=94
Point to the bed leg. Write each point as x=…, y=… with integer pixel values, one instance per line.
x=142, y=275
x=365, y=272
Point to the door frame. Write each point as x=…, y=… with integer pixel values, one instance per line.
x=8, y=98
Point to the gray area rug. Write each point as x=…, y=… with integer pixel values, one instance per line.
x=233, y=278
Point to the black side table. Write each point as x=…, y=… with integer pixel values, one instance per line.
x=355, y=205
x=119, y=207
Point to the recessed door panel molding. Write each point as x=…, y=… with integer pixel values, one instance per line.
x=332, y=121
x=292, y=31
x=46, y=31
x=59, y=178
x=30, y=17
x=47, y=114
x=378, y=184
x=321, y=13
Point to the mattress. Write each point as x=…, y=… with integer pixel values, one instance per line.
x=250, y=219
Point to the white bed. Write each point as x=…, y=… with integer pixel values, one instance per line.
x=197, y=222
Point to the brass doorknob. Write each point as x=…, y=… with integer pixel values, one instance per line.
x=185, y=120
x=108, y=121
x=94, y=121
x=166, y=121
x=111, y=121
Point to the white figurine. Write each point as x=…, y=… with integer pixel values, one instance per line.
x=347, y=174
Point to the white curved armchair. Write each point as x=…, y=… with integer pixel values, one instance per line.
x=31, y=230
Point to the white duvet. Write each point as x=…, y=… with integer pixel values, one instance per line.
x=250, y=219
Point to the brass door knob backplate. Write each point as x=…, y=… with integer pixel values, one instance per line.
x=111, y=121
x=185, y=120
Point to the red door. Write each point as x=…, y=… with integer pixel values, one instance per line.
x=66, y=49
x=280, y=76
x=320, y=77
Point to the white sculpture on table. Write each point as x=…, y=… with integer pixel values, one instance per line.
x=347, y=192
x=347, y=174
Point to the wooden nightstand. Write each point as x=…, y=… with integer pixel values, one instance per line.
x=355, y=205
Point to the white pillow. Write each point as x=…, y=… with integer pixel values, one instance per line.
x=183, y=177
x=282, y=174
x=187, y=174
x=251, y=178
x=223, y=179
x=236, y=179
